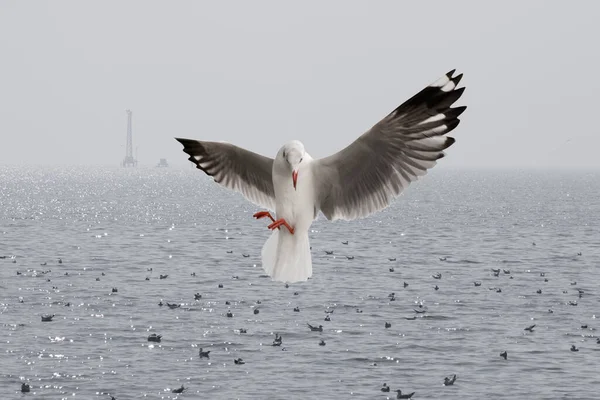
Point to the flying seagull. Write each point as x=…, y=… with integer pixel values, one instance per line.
x=358, y=181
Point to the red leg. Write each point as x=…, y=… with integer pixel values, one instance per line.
x=280, y=222
x=262, y=214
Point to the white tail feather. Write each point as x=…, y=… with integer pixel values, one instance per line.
x=286, y=257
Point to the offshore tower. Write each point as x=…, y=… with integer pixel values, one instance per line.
x=129, y=161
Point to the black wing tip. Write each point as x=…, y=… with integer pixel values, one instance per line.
x=450, y=73
x=456, y=79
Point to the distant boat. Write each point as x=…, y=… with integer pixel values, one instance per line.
x=162, y=163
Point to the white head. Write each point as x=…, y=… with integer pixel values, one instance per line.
x=292, y=154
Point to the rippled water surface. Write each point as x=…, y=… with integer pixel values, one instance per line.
x=110, y=226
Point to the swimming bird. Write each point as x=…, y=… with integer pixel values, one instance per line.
x=405, y=284
x=356, y=182
x=47, y=318
x=180, y=390
x=296, y=309
x=443, y=258
x=392, y=259
x=345, y=242
x=530, y=328
x=220, y=286
x=449, y=381
x=278, y=340
x=203, y=353
x=60, y=260
x=322, y=343
x=391, y=269
x=385, y=388
x=437, y=276
x=573, y=348
x=504, y=355
x=229, y=314
x=163, y=276
x=388, y=325
x=329, y=252
x=245, y=255
x=477, y=283
x=327, y=318
x=256, y=311
x=172, y=306
x=197, y=296
x=403, y=396
x=436, y=287
x=154, y=338
x=229, y=251
x=350, y=257
x=539, y=291
x=239, y=361
x=115, y=290
x=506, y=271
x=315, y=329
x=25, y=388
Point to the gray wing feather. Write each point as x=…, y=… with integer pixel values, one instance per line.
x=365, y=176
x=235, y=168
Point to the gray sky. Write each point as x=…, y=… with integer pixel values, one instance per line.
x=260, y=73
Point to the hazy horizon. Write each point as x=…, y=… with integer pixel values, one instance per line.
x=262, y=73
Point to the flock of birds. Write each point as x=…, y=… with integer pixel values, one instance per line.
x=420, y=310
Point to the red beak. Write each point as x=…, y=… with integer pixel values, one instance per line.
x=294, y=178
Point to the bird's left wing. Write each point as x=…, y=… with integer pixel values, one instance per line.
x=235, y=168
x=365, y=176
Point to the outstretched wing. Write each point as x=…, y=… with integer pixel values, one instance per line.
x=365, y=176
x=235, y=168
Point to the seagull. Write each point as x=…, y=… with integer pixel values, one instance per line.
x=315, y=329
x=356, y=182
x=530, y=328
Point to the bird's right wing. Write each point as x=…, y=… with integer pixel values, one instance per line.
x=235, y=168
x=365, y=176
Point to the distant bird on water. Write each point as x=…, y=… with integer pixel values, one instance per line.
x=203, y=353
x=504, y=355
x=356, y=182
x=385, y=388
x=404, y=396
x=180, y=390
x=315, y=329
x=530, y=328
x=25, y=388
x=449, y=381
x=154, y=338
